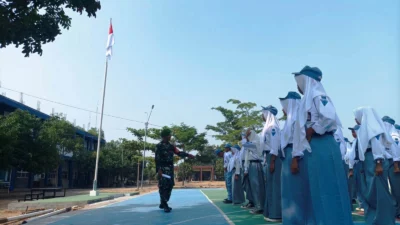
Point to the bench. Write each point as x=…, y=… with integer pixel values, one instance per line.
x=37, y=193
x=5, y=185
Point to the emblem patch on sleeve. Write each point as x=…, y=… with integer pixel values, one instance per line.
x=324, y=101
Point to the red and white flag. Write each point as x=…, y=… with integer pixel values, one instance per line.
x=110, y=42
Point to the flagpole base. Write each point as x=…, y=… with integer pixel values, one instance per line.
x=94, y=193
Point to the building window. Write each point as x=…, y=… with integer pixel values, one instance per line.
x=52, y=175
x=65, y=175
x=75, y=175
x=22, y=174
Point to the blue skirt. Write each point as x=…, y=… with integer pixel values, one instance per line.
x=296, y=205
x=272, y=206
x=394, y=180
x=329, y=194
x=358, y=171
x=255, y=185
x=237, y=189
x=379, y=205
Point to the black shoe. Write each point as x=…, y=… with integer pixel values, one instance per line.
x=248, y=206
x=161, y=206
x=167, y=209
x=227, y=201
x=255, y=211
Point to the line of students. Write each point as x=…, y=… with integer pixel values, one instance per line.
x=307, y=173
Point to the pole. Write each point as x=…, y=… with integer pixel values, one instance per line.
x=122, y=171
x=138, y=173
x=144, y=145
x=144, y=153
x=94, y=192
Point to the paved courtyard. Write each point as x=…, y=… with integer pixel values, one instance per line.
x=190, y=207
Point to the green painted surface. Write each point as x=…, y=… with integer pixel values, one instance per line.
x=241, y=216
x=75, y=198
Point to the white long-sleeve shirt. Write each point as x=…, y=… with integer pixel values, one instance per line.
x=231, y=163
x=251, y=153
x=238, y=162
x=395, y=148
x=272, y=141
x=352, y=154
x=319, y=118
x=378, y=150
x=227, y=158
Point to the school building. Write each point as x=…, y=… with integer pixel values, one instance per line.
x=200, y=173
x=66, y=175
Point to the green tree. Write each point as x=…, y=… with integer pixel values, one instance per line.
x=187, y=139
x=118, y=161
x=95, y=132
x=236, y=120
x=61, y=134
x=23, y=145
x=32, y=23
x=219, y=169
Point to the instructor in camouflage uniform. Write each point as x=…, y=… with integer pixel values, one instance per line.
x=164, y=159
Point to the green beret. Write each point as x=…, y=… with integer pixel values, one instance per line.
x=165, y=132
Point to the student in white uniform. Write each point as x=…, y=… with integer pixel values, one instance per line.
x=236, y=167
x=253, y=171
x=378, y=203
x=355, y=167
x=393, y=150
x=228, y=175
x=314, y=129
x=245, y=183
x=270, y=143
x=295, y=198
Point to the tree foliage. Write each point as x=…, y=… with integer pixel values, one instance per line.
x=33, y=145
x=31, y=23
x=95, y=132
x=184, y=137
x=244, y=115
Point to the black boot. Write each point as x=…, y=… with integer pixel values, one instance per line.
x=167, y=209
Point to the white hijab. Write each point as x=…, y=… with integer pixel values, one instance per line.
x=339, y=138
x=371, y=126
x=255, y=139
x=270, y=122
x=311, y=88
x=389, y=128
x=290, y=106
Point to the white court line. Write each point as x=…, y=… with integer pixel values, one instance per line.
x=132, y=197
x=223, y=214
x=204, y=217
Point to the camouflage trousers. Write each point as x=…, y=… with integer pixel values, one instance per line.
x=165, y=185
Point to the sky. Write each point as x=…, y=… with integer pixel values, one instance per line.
x=186, y=57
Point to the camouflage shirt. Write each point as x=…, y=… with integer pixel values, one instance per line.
x=165, y=157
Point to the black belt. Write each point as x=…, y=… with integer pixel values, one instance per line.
x=368, y=150
x=234, y=168
x=289, y=146
x=321, y=135
x=242, y=161
x=255, y=161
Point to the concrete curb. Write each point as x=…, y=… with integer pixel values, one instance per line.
x=59, y=205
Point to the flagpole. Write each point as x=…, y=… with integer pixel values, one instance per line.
x=94, y=192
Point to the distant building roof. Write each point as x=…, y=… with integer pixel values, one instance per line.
x=37, y=113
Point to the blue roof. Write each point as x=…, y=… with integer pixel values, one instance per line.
x=37, y=113
x=18, y=105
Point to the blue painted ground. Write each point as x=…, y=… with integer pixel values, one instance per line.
x=189, y=207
